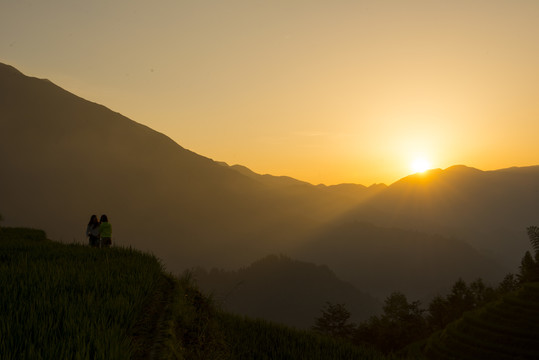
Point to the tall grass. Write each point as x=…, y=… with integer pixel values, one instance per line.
x=74, y=302
x=262, y=340
x=69, y=301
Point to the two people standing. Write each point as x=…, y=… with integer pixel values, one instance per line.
x=99, y=232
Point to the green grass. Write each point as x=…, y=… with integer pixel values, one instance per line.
x=75, y=302
x=70, y=301
x=260, y=339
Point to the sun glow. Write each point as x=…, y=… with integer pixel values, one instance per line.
x=420, y=165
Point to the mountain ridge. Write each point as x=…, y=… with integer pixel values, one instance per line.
x=69, y=158
x=65, y=158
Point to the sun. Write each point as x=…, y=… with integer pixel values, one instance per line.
x=420, y=165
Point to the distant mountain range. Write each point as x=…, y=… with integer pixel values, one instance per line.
x=488, y=209
x=381, y=260
x=64, y=158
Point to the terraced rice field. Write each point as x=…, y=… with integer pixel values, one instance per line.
x=507, y=329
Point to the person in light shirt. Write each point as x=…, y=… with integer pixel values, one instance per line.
x=105, y=231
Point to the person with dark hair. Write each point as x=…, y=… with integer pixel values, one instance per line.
x=105, y=231
x=92, y=231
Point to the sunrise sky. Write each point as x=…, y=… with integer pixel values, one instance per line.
x=324, y=91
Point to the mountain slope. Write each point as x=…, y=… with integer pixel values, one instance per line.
x=348, y=195
x=283, y=290
x=488, y=209
x=383, y=260
x=64, y=158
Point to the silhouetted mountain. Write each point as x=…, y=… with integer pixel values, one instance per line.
x=269, y=180
x=64, y=158
x=488, y=209
x=382, y=260
x=280, y=289
x=355, y=191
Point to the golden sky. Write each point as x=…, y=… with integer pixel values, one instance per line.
x=324, y=91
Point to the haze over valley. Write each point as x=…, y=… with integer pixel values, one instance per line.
x=282, y=179
x=64, y=158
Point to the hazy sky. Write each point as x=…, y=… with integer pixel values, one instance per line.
x=325, y=91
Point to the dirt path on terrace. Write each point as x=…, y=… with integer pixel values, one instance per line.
x=148, y=332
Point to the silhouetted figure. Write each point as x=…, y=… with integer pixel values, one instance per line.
x=105, y=231
x=92, y=231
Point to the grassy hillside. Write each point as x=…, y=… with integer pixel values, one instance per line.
x=67, y=301
x=506, y=329
x=262, y=340
x=74, y=302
